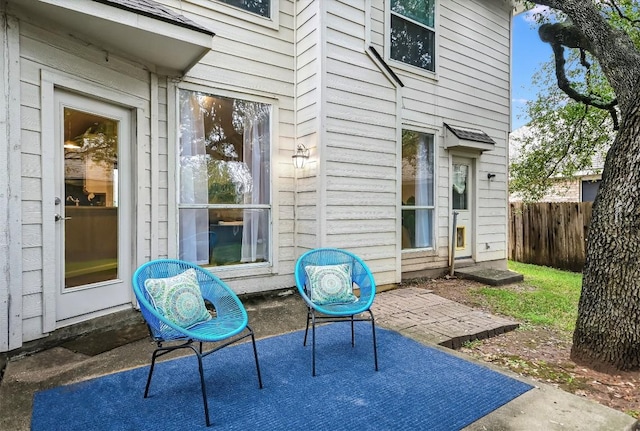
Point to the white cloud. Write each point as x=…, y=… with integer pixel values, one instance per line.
x=520, y=101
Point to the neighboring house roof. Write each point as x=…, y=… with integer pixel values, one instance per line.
x=563, y=189
x=155, y=10
x=515, y=145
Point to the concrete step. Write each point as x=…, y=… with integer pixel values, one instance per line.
x=492, y=277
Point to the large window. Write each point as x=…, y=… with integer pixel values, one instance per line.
x=260, y=7
x=225, y=196
x=413, y=33
x=417, y=190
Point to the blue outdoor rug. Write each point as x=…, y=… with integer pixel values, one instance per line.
x=417, y=388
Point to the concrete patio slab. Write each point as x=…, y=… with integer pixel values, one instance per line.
x=412, y=311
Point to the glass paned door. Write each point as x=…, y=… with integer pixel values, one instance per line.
x=91, y=198
x=93, y=233
x=462, y=203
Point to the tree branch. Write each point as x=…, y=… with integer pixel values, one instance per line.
x=562, y=34
x=559, y=35
x=614, y=49
x=621, y=14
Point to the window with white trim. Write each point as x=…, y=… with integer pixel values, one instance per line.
x=413, y=34
x=225, y=190
x=418, y=167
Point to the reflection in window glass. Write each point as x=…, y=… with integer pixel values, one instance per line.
x=417, y=189
x=260, y=7
x=412, y=33
x=422, y=11
x=90, y=197
x=460, y=189
x=225, y=195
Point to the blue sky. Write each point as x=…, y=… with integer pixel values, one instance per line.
x=529, y=52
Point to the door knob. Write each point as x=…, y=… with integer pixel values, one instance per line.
x=58, y=217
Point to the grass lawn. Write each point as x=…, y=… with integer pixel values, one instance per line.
x=546, y=297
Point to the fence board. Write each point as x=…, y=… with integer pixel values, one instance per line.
x=549, y=234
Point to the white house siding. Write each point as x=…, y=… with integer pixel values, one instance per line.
x=360, y=145
x=476, y=72
x=470, y=89
x=312, y=65
x=44, y=49
x=309, y=131
x=10, y=233
x=255, y=62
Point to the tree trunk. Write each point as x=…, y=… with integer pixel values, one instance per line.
x=608, y=326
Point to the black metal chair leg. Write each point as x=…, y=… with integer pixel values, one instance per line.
x=375, y=348
x=313, y=344
x=153, y=364
x=255, y=355
x=304, y=343
x=353, y=334
x=204, y=388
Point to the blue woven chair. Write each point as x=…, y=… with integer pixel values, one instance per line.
x=227, y=325
x=362, y=282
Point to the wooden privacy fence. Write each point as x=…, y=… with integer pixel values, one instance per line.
x=549, y=234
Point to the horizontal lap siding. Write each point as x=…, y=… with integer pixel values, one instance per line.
x=43, y=49
x=161, y=207
x=360, y=145
x=476, y=72
x=471, y=89
x=307, y=81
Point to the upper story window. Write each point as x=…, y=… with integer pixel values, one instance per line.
x=260, y=7
x=225, y=188
x=418, y=167
x=413, y=33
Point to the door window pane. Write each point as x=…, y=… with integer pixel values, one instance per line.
x=225, y=165
x=91, y=205
x=460, y=188
x=417, y=189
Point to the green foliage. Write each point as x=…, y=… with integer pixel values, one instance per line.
x=633, y=413
x=547, y=297
x=564, y=137
x=626, y=18
x=222, y=189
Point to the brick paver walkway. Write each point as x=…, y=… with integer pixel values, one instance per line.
x=423, y=315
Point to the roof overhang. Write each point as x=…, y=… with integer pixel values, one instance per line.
x=467, y=139
x=167, y=43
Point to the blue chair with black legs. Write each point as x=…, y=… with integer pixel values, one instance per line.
x=173, y=297
x=337, y=286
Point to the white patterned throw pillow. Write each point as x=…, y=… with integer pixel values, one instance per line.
x=178, y=298
x=330, y=284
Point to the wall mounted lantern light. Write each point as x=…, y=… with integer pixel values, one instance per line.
x=300, y=157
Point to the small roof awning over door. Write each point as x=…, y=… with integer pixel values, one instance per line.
x=467, y=139
x=142, y=30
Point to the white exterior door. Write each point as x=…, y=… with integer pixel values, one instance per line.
x=462, y=204
x=92, y=207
